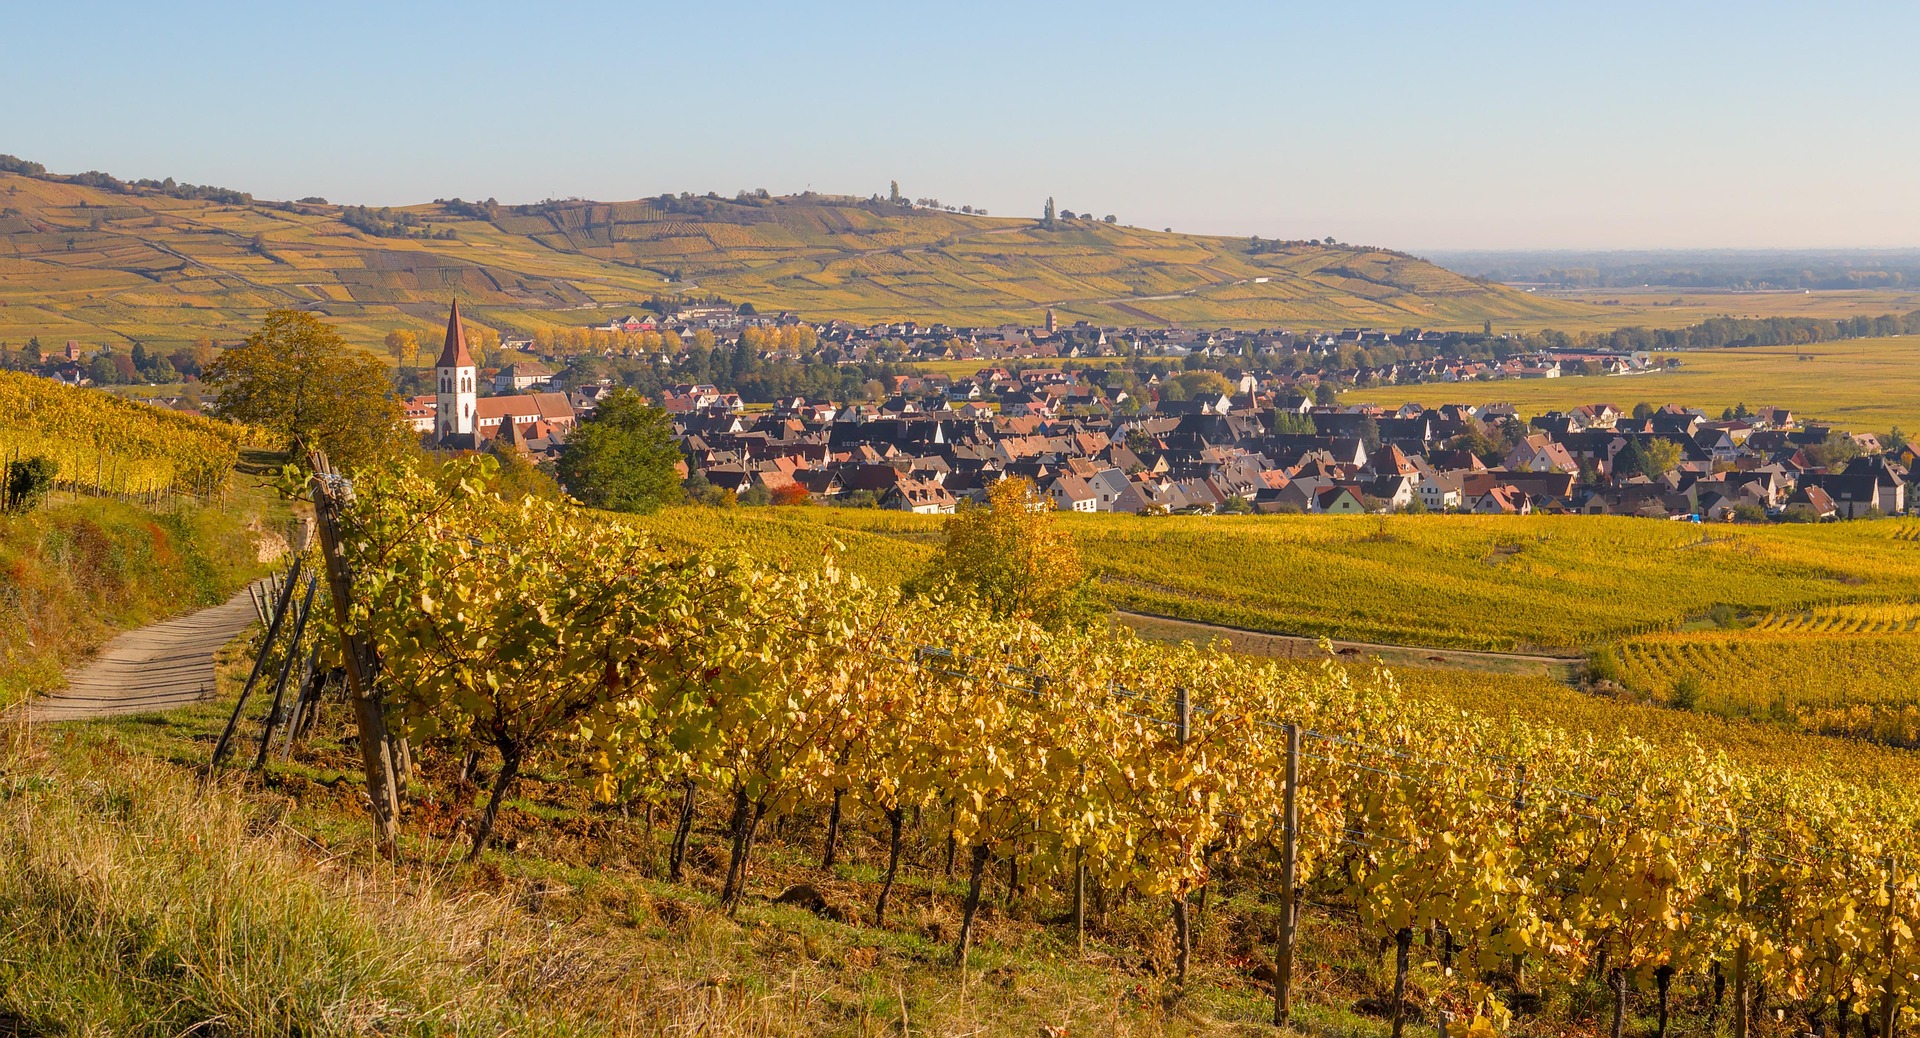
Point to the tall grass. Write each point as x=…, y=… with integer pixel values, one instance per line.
x=132, y=904
x=73, y=573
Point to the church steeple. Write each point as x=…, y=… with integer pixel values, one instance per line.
x=454, y=354
x=458, y=396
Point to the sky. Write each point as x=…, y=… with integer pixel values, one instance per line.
x=1421, y=126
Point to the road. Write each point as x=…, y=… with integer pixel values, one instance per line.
x=1285, y=646
x=151, y=668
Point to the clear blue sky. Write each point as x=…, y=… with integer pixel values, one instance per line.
x=1417, y=125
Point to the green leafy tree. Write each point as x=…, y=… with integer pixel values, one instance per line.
x=1833, y=452
x=300, y=380
x=1659, y=457
x=623, y=458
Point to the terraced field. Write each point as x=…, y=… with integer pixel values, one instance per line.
x=92, y=264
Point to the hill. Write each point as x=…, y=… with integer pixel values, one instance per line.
x=97, y=259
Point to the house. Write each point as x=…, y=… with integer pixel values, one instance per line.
x=1070, y=493
x=1814, y=499
x=1337, y=500
x=1540, y=453
x=515, y=378
x=1501, y=500
x=1439, y=491
x=420, y=411
x=919, y=496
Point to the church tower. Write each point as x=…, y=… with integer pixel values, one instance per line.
x=456, y=400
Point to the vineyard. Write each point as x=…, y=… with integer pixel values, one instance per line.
x=1846, y=671
x=1552, y=583
x=1100, y=769
x=101, y=444
x=1877, y=618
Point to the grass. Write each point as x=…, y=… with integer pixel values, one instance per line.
x=77, y=571
x=1867, y=385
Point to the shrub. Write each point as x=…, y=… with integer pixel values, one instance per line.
x=1686, y=692
x=1603, y=665
x=26, y=483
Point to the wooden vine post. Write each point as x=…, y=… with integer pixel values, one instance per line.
x=383, y=802
x=1182, y=928
x=281, y=601
x=1889, y=1008
x=1289, y=880
x=1742, y=953
x=286, y=670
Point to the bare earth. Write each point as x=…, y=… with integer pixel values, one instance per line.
x=156, y=667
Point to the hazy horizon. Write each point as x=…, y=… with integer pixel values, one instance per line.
x=1504, y=128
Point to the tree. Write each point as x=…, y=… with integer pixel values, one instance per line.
x=403, y=346
x=1015, y=560
x=1653, y=458
x=1047, y=218
x=1642, y=411
x=1325, y=395
x=1836, y=450
x=298, y=379
x=623, y=458
x=1895, y=439
x=1202, y=384
x=893, y=192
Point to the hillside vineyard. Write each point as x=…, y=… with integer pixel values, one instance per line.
x=1158, y=770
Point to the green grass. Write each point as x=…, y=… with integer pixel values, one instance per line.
x=1867, y=385
x=76, y=572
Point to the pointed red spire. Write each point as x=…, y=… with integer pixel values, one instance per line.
x=454, y=354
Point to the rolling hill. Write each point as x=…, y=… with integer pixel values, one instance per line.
x=100, y=261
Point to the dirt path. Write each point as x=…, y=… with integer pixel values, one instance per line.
x=1286, y=646
x=156, y=667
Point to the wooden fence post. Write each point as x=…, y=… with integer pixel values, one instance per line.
x=1289, y=865
x=1742, y=952
x=383, y=801
x=259, y=662
x=286, y=669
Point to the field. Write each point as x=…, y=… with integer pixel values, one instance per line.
x=101, y=443
x=90, y=264
x=1862, y=384
x=1553, y=583
x=1672, y=308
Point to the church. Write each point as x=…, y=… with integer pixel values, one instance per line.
x=464, y=420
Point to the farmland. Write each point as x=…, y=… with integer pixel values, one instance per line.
x=103, y=444
x=99, y=265
x=1556, y=583
x=1862, y=384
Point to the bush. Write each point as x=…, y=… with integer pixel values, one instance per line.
x=25, y=483
x=1686, y=692
x=1603, y=665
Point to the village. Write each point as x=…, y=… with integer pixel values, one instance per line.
x=1145, y=421
x=1224, y=439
